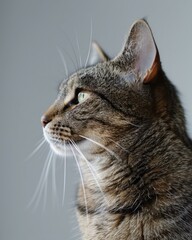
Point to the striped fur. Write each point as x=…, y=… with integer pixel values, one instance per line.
x=137, y=166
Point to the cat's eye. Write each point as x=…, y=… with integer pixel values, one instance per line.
x=82, y=96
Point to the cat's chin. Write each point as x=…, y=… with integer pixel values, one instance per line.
x=80, y=147
x=59, y=150
x=68, y=147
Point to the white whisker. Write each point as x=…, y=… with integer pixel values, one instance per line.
x=90, y=40
x=70, y=42
x=78, y=48
x=45, y=196
x=63, y=61
x=45, y=179
x=42, y=181
x=102, y=146
x=39, y=145
x=82, y=181
x=118, y=145
x=69, y=56
x=64, y=174
x=75, y=55
x=132, y=124
x=54, y=179
x=93, y=172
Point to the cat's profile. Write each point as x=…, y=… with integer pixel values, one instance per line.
x=124, y=120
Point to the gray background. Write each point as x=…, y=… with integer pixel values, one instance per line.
x=30, y=71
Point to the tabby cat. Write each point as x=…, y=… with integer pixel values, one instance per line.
x=124, y=120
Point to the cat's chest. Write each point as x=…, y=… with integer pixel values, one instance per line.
x=110, y=226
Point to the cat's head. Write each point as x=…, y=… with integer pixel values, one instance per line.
x=106, y=100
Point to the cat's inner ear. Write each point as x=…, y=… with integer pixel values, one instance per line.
x=97, y=55
x=140, y=50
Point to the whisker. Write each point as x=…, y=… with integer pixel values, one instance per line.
x=69, y=56
x=64, y=174
x=118, y=145
x=73, y=49
x=90, y=40
x=63, y=61
x=41, y=181
x=93, y=172
x=80, y=152
x=102, y=146
x=45, y=179
x=132, y=124
x=82, y=181
x=39, y=145
x=78, y=48
x=54, y=179
x=45, y=196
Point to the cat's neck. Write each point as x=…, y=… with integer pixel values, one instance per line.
x=135, y=162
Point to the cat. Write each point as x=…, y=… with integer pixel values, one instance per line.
x=124, y=120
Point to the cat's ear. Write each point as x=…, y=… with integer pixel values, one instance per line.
x=140, y=50
x=97, y=55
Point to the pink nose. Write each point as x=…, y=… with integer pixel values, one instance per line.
x=45, y=120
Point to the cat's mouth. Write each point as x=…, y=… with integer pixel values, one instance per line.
x=61, y=145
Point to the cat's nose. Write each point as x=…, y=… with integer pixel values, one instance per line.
x=45, y=120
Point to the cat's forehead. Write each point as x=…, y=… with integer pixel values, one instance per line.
x=93, y=77
x=107, y=79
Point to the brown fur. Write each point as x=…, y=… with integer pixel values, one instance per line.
x=143, y=156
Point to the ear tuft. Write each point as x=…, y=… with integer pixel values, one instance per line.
x=97, y=55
